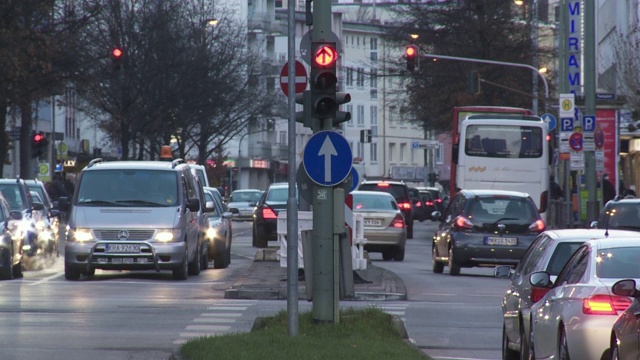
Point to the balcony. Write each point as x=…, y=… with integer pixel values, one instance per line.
x=260, y=22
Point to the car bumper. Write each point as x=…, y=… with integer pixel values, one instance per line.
x=393, y=238
x=152, y=256
x=471, y=250
x=267, y=229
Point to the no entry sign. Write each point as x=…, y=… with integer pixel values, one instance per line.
x=300, y=78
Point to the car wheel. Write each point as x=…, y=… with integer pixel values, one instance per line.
x=387, y=255
x=220, y=259
x=454, y=269
x=195, y=265
x=70, y=273
x=89, y=273
x=259, y=241
x=399, y=254
x=410, y=230
x=563, y=349
x=182, y=272
x=615, y=351
x=438, y=267
x=7, y=268
x=524, y=346
x=205, y=257
x=507, y=354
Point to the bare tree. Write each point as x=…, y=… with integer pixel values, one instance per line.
x=624, y=75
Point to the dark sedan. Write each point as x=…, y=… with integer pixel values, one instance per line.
x=485, y=228
x=265, y=217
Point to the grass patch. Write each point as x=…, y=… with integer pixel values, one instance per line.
x=366, y=333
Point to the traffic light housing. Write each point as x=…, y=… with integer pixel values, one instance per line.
x=411, y=52
x=39, y=145
x=116, y=58
x=324, y=99
x=365, y=136
x=473, y=86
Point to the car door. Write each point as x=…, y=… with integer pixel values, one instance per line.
x=191, y=216
x=446, y=226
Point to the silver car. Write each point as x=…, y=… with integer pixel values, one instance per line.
x=574, y=319
x=218, y=235
x=625, y=342
x=549, y=252
x=245, y=201
x=384, y=226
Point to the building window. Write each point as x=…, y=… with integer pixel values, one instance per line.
x=360, y=78
x=373, y=117
x=392, y=150
x=350, y=110
x=373, y=94
x=439, y=154
x=374, y=57
x=349, y=77
x=373, y=152
x=393, y=122
x=360, y=151
x=412, y=151
x=360, y=115
x=373, y=44
x=403, y=149
x=283, y=137
x=373, y=79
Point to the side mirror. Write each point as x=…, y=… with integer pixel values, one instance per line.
x=38, y=206
x=502, y=271
x=253, y=203
x=193, y=204
x=436, y=216
x=594, y=224
x=208, y=206
x=234, y=211
x=540, y=279
x=227, y=215
x=625, y=287
x=15, y=215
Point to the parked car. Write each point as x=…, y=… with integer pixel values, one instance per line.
x=10, y=242
x=217, y=195
x=17, y=194
x=265, y=217
x=625, y=342
x=485, y=228
x=619, y=213
x=419, y=210
x=428, y=203
x=400, y=192
x=218, y=236
x=245, y=202
x=549, y=252
x=135, y=215
x=50, y=208
x=575, y=317
x=384, y=226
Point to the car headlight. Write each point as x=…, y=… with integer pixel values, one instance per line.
x=212, y=233
x=79, y=235
x=167, y=235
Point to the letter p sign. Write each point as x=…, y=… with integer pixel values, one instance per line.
x=588, y=123
x=566, y=124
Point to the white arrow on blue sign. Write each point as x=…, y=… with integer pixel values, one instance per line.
x=550, y=120
x=327, y=158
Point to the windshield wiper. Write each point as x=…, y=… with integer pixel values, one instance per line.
x=140, y=202
x=97, y=202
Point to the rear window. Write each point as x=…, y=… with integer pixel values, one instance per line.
x=561, y=255
x=618, y=263
x=372, y=202
x=399, y=192
x=245, y=196
x=623, y=216
x=494, y=208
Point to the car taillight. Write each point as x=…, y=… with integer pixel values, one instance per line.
x=604, y=304
x=428, y=203
x=383, y=184
x=438, y=200
x=398, y=222
x=268, y=213
x=418, y=204
x=537, y=293
x=404, y=205
x=463, y=223
x=537, y=226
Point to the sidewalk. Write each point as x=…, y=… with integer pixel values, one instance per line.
x=267, y=280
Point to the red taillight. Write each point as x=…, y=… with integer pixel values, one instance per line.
x=428, y=203
x=404, y=205
x=605, y=304
x=268, y=213
x=463, y=223
x=537, y=226
x=398, y=222
x=537, y=293
x=418, y=204
x=382, y=184
x=438, y=200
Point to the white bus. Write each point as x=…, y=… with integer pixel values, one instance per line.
x=507, y=152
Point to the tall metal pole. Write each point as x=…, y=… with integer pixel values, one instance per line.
x=292, y=203
x=323, y=309
x=590, y=103
x=563, y=85
x=534, y=62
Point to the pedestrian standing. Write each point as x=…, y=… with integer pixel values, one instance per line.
x=608, y=190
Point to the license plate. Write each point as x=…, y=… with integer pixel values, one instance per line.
x=373, y=222
x=123, y=248
x=495, y=240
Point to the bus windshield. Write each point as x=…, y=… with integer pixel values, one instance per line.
x=502, y=141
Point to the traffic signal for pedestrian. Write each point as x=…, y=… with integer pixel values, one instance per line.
x=324, y=98
x=116, y=58
x=411, y=52
x=365, y=136
x=473, y=86
x=38, y=144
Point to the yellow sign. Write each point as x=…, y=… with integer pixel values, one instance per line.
x=62, y=147
x=567, y=105
x=43, y=168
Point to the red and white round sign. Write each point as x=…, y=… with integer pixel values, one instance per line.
x=300, y=78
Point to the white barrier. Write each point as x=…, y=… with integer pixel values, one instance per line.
x=305, y=222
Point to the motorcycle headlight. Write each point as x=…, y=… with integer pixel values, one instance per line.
x=167, y=235
x=80, y=235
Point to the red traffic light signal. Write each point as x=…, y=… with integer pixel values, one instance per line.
x=116, y=57
x=410, y=53
x=117, y=53
x=38, y=138
x=325, y=55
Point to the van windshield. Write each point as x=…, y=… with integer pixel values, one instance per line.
x=129, y=188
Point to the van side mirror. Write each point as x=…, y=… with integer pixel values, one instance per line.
x=193, y=204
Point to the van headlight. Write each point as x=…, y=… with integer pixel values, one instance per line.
x=79, y=235
x=167, y=235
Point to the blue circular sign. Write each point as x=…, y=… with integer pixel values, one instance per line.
x=355, y=179
x=327, y=158
x=550, y=120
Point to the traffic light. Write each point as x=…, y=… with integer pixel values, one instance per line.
x=365, y=136
x=38, y=145
x=324, y=98
x=433, y=177
x=473, y=86
x=411, y=52
x=116, y=58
